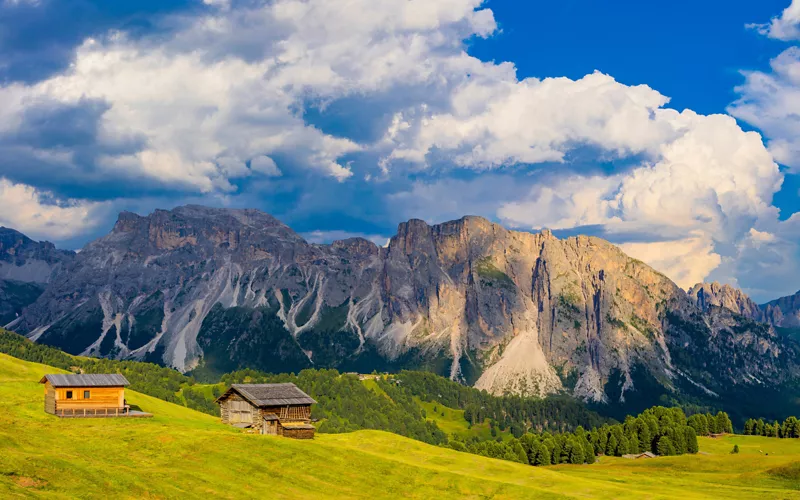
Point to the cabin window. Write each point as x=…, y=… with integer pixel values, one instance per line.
x=69, y=394
x=85, y=394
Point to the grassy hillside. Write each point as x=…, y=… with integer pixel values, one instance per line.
x=183, y=453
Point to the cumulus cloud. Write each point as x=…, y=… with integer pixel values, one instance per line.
x=713, y=183
x=326, y=237
x=784, y=27
x=771, y=102
x=266, y=166
x=686, y=261
x=495, y=120
x=223, y=97
x=231, y=84
x=40, y=215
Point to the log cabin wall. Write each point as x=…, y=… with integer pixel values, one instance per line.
x=235, y=409
x=99, y=397
x=299, y=433
x=49, y=398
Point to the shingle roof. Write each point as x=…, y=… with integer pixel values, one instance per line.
x=273, y=394
x=86, y=380
x=297, y=425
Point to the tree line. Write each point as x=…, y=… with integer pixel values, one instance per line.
x=544, y=431
x=148, y=378
x=789, y=429
x=659, y=430
x=345, y=404
x=515, y=413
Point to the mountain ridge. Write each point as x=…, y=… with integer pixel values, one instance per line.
x=508, y=311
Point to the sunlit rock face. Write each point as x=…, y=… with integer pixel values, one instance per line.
x=507, y=311
x=26, y=266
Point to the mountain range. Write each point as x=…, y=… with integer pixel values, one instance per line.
x=212, y=290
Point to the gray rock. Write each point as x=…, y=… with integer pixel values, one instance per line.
x=511, y=312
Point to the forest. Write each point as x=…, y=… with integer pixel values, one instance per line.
x=552, y=430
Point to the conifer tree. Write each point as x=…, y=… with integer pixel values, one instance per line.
x=665, y=447
x=691, y=440
x=622, y=447
x=576, y=452
x=611, y=447
x=542, y=456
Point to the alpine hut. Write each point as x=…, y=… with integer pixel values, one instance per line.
x=277, y=409
x=85, y=395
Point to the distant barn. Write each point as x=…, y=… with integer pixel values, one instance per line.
x=86, y=395
x=277, y=409
x=636, y=456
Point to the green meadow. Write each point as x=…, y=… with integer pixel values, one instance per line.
x=181, y=453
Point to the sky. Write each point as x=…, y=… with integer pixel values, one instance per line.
x=669, y=128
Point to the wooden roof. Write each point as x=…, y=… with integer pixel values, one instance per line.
x=286, y=394
x=297, y=425
x=86, y=380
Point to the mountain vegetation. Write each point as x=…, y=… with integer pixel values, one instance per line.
x=542, y=431
x=790, y=428
x=181, y=453
x=209, y=291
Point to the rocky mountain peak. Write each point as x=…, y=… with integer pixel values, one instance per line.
x=25, y=260
x=707, y=295
x=783, y=312
x=508, y=311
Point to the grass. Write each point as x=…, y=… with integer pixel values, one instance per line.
x=451, y=421
x=181, y=453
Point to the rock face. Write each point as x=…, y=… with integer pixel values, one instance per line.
x=783, y=312
x=27, y=261
x=708, y=295
x=26, y=266
x=511, y=312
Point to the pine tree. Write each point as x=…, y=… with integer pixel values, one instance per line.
x=691, y=440
x=622, y=447
x=723, y=423
x=588, y=451
x=712, y=423
x=576, y=453
x=611, y=447
x=665, y=447
x=519, y=451
x=542, y=456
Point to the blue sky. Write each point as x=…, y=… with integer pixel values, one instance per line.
x=669, y=128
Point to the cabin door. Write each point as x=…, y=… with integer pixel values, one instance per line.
x=270, y=427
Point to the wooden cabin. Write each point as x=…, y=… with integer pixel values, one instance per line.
x=277, y=409
x=637, y=456
x=85, y=395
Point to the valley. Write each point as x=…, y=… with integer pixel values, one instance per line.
x=181, y=452
x=210, y=291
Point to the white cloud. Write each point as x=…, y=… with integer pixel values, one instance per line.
x=266, y=166
x=714, y=183
x=771, y=102
x=686, y=261
x=232, y=84
x=495, y=120
x=39, y=215
x=784, y=27
x=225, y=93
x=325, y=237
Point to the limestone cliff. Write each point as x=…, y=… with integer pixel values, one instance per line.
x=507, y=311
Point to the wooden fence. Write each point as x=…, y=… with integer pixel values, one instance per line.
x=98, y=413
